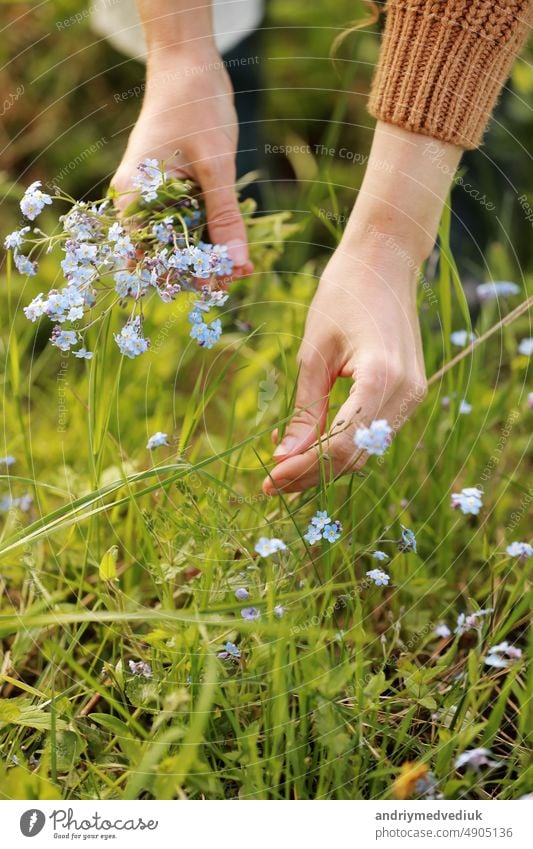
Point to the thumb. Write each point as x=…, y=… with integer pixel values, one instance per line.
x=224, y=219
x=311, y=405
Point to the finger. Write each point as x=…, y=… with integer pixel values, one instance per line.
x=311, y=404
x=337, y=454
x=224, y=219
x=122, y=183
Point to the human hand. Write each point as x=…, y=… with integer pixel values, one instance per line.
x=362, y=323
x=188, y=120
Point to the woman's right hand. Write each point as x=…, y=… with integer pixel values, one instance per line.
x=188, y=120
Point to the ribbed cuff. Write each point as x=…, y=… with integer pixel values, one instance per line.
x=442, y=64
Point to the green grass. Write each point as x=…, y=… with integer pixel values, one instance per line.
x=351, y=683
x=331, y=700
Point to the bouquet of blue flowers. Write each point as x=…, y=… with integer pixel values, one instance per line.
x=109, y=260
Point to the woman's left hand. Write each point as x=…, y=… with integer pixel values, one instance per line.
x=362, y=325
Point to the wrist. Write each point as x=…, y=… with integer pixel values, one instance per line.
x=166, y=56
x=378, y=232
x=404, y=189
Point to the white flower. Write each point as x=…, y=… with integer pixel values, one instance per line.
x=501, y=655
x=466, y=623
x=442, y=630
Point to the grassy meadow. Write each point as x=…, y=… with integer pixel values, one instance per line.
x=119, y=565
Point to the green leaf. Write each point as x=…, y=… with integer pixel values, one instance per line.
x=23, y=712
x=108, y=564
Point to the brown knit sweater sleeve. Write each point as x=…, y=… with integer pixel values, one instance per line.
x=443, y=63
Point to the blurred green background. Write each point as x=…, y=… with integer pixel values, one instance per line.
x=66, y=112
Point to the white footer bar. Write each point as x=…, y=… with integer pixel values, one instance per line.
x=268, y=825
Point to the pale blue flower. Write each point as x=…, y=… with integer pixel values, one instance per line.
x=320, y=519
x=380, y=555
x=36, y=309
x=442, y=630
x=472, y=621
x=213, y=298
x=130, y=340
x=374, y=439
x=464, y=407
x=224, y=267
x=63, y=339
x=75, y=313
x=251, y=614
x=526, y=347
x=242, y=594
x=469, y=500
x=25, y=265
x=140, y=668
x=496, y=660
x=157, y=440
x=7, y=502
x=34, y=201
x=498, y=289
x=84, y=252
x=116, y=231
x=7, y=461
x=313, y=535
x=476, y=758
x=124, y=282
x=15, y=240
x=279, y=611
x=124, y=248
x=266, y=546
x=522, y=550
x=502, y=655
x=379, y=577
x=460, y=338
x=163, y=230
x=332, y=532
x=149, y=178
x=231, y=652
x=83, y=354
x=207, y=335
x=196, y=316
x=408, y=540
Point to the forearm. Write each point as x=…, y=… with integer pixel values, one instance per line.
x=403, y=192
x=176, y=26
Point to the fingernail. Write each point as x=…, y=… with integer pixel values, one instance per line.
x=286, y=446
x=238, y=252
